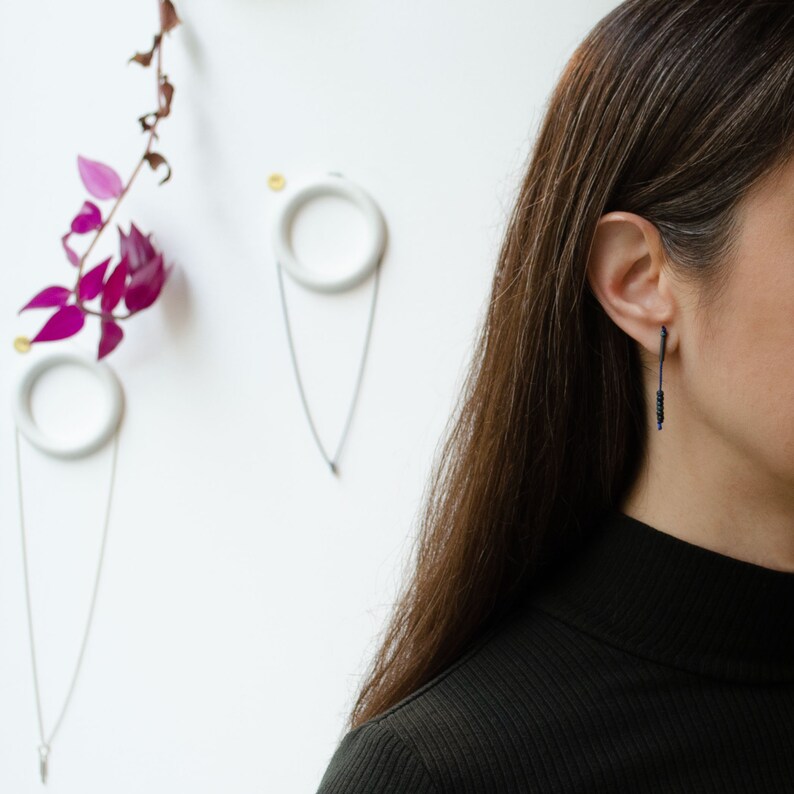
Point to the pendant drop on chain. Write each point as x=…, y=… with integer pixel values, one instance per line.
x=44, y=750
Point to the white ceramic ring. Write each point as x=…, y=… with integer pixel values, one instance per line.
x=59, y=448
x=337, y=185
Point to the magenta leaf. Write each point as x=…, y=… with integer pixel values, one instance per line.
x=100, y=180
x=67, y=321
x=114, y=287
x=136, y=247
x=112, y=334
x=73, y=258
x=89, y=218
x=145, y=285
x=49, y=296
x=91, y=283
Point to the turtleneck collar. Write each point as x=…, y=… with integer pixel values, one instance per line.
x=671, y=601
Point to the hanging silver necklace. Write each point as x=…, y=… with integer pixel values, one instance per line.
x=330, y=461
x=59, y=449
x=336, y=185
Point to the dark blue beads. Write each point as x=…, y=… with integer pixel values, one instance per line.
x=660, y=393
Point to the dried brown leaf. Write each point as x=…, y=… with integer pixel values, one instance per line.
x=168, y=17
x=145, y=58
x=167, y=93
x=145, y=124
x=155, y=160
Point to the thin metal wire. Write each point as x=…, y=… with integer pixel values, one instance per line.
x=331, y=462
x=44, y=748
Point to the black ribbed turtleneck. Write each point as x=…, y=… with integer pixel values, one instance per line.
x=641, y=662
x=674, y=602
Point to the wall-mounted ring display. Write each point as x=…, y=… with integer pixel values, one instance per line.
x=25, y=425
x=57, y=447
x=335, y=185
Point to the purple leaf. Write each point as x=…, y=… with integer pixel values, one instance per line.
x=73, y=258
x=91, y=283
x=67, y=321
x=49, y=296
x=112, y=334
x=136, y=247
x=89, y=218
x=100, y=180
x=145, y=285
x=114, y=287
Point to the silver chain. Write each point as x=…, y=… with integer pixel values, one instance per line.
x=44, y=747
x=331, y=462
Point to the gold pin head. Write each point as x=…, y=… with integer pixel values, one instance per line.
x=276, y=181
x=22, y=344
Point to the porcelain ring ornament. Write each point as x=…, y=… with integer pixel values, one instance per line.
x=57, y=447
x=336, y=185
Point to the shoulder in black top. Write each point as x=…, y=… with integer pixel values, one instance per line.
x=644, y=664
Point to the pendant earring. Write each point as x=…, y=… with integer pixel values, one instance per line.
x=660, y=393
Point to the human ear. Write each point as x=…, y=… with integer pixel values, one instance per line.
x=626, y=274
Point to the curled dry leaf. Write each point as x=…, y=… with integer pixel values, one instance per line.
x=154, y=159
x=147, y=125
x=145, y=58
x=167, y=93
x=168, y=21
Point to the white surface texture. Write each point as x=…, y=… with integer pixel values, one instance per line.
x=244, y=586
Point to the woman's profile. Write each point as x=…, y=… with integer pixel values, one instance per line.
x=602, y=596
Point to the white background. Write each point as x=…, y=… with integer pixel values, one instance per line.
x=243, y=585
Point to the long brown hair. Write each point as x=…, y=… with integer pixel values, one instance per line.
x=671, y=109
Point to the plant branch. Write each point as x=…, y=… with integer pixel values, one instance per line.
x=147, y=151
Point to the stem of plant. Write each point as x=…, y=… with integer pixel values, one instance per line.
x=123, y=193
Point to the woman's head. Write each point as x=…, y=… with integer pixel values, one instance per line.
x=649, y=198
x=728, y=439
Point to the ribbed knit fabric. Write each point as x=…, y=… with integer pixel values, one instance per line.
x=641, y=663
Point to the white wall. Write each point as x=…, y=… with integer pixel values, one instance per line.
x=244, y=586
